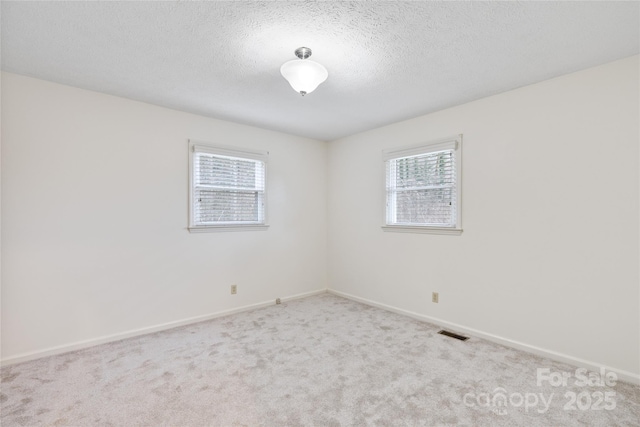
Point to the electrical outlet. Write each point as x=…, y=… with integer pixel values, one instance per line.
x=434, y=297
x=234, y=289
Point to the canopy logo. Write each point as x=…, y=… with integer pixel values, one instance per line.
x=499, y=401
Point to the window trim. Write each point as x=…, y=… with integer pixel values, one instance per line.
x=454, y=142
x=205, y=147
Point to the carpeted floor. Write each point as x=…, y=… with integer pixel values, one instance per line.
x=323, y=361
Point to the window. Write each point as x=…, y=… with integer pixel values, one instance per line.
x=227, y=188
x=423, y=188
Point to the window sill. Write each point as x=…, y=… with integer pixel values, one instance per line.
x=228, y=227
x=422, y=230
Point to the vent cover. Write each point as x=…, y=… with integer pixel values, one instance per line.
x=453, y=335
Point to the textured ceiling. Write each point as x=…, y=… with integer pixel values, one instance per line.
x=387, y=61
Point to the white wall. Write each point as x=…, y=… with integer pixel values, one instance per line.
x=549, y=253
x=94, y=217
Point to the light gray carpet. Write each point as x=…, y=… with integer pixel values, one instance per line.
x=322, y=360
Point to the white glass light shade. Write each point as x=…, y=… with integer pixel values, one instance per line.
x=304, y=75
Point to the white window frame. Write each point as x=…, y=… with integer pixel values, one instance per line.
x=453, y=142
x=205, y=147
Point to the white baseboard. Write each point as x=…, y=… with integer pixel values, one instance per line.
x=626, y=376
x=79, y=345
x=303, y=295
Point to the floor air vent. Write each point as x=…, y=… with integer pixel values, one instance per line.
x=453, y=335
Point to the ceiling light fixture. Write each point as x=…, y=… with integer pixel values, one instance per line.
x=303, y=75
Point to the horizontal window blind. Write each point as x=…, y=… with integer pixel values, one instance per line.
x=227, y=190
x=421, y=189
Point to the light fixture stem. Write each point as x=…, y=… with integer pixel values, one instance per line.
x=303, y=52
